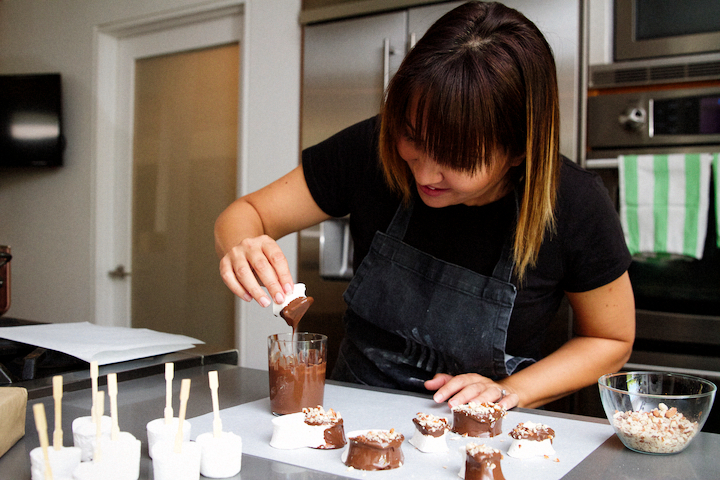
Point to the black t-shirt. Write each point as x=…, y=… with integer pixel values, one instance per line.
x=587, y=250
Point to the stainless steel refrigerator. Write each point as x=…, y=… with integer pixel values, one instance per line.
x=346, y=66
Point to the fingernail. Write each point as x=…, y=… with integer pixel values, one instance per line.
x=279, y=298
x=247, y=297
x=288, y=288
x=264, y=301
x=437, y=398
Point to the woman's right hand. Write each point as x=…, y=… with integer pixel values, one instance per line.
x=253, y=263
x=245, y=234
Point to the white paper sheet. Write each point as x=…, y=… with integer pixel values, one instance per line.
x=105, y=345
x=367, y=409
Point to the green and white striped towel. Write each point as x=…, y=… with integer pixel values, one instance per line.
x=664, y=202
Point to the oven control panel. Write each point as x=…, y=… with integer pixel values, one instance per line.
x=677, y=117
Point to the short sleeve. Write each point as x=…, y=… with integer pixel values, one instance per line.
x=593, y=240
x=336, y=168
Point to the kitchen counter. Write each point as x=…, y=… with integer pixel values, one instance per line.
x=142, y=399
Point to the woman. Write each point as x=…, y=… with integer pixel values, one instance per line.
x=468, y=226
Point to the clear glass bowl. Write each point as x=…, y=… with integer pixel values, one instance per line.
x=656, y=412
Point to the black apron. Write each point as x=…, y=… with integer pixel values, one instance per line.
x=411, y=315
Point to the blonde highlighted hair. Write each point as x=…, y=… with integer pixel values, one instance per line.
x=480, y=87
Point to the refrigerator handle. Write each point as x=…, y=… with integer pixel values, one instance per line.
x=386, y=63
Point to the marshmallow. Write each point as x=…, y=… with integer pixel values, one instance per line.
x=290, y=431
x=221, y=456
x=298, y=292
x=121, y=456
x=158, y=431
x=171, y=465
x=85, y=432
x=428, y=443
x=524, y=448
x=62, y=462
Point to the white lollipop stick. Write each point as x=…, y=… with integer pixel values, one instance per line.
x=57, y=397
x=41, y=426
x=217, y=423
x=94, y=381
x=99, y=410
x=184, y=395
x=112, y=392
x=169, y=374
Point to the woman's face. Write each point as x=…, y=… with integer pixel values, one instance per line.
x=441, y=186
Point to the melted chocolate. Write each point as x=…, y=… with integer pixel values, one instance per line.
x=364, y=454
x=434, y=431
x=538, y=433
x=295, y=310
x=334, y=436
x=483, y=466
x=476, y=425
x=294, y=386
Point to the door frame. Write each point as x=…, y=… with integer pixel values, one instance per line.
x=268, y=141
x=118, y=46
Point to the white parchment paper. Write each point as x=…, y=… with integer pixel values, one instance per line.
x=367, y=409
x=105, y=345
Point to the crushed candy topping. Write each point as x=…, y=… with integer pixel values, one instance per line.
x=318, y=416
x=431, y=422
x=531, y=430
x=481, y=409
x=476, y=448
x=383, y=437
x=661, y=430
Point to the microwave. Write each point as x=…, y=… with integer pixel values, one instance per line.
x=645, y=29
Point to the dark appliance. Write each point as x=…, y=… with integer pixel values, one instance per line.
x=664, y=28
x=5, y=257
x=677, y=301
x=31, y=133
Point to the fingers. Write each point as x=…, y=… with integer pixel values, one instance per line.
x=470, y=387
x=253, y=263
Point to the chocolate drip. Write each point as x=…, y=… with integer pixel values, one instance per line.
x=295, y=310
x=436, y=431
x=483, y=466
x=476, y=426
x=334, y=436
x=364, y=454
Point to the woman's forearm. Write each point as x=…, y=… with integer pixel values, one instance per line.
x=577, y=364
x=238, y=221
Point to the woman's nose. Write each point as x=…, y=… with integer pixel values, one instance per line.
x=426, y=170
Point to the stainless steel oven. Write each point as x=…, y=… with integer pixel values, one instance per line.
x=677, y=301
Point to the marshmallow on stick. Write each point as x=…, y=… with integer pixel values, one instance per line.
x=217, y=423
x=41, y=426
x=94, y=370
x=112, y=392
x=99, y=411
x=169, y=375
x=57, y=397
x=184, y=395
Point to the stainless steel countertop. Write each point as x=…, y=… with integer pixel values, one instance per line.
x=141, y=400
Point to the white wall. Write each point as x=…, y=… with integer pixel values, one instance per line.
x=46, y=216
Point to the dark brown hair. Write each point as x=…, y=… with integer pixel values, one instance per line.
x=480, y=87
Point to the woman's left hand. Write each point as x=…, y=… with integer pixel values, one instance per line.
x=467, y=387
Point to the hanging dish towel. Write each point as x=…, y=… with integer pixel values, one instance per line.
x=664, y=202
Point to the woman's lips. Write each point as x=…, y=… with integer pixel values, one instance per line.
x=431, y=191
